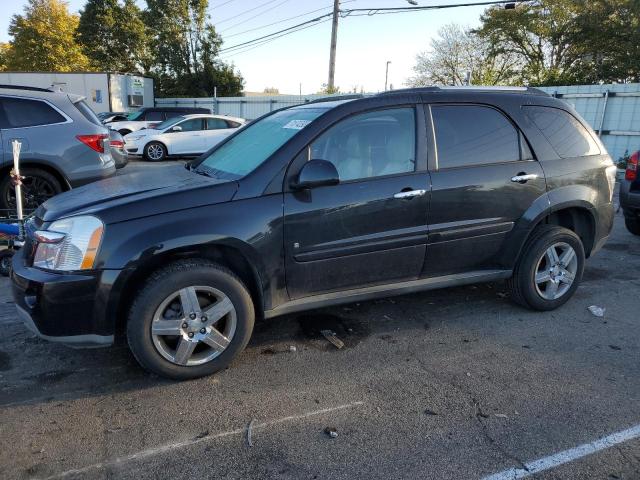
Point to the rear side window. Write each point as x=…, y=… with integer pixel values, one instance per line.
x=21, y=112
x=86, y=111
x=473, y=135
x=216, y=124
x=565, y=133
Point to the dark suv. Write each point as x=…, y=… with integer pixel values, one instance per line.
x=630, y=194
x=320, y=204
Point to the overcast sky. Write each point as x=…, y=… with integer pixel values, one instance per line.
x=364, y=43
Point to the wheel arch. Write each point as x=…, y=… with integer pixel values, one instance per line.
x=233, y=257
x=166, y=148
x=30, y=163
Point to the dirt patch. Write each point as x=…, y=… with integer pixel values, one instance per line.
x=616, y=247
x=592, y=274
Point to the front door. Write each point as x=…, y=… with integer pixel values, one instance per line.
x=484, y=179
x=189, y=140
x=371, y=228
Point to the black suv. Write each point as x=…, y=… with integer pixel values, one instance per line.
x=315, y=205
x=630, y=194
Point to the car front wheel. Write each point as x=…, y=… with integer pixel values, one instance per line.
x=191, y=319
x=633, y=225
x=549, y=269
x=155, y=152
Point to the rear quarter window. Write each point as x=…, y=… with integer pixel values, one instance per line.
x=87, y=112
x=22, y=112
x=568, y=137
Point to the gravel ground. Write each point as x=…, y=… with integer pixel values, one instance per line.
x=450, y=384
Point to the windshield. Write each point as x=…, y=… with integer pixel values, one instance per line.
x=256, y=142
x=133, y=116
x=168, y=123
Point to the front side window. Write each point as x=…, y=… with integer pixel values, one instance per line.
x=154, y=116
x=254, y=144
x=565, y=133
x=368, y=145
x=21, y=112
x=192, y=125
x=473, y=135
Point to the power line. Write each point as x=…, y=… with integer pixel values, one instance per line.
x=285, y=20
x=370, y=12
x=256, y=15
x=222, y=4
x=245, y=12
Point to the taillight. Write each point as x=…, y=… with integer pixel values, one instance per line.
x=94, y=142
x=632, y=167
x=116, y=144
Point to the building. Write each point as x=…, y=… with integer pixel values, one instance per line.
x=104, y=92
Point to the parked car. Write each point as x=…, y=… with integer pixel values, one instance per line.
x=116, y=147
x=316, y=205
x=630, y=195
x=184, y=136
x=148, y=117
x=108, y=117
x=63, y=143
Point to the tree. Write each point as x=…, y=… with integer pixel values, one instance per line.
x=457, y=53
x=4, y=51
x=186, y=45
x=271, y=91
x=114, y=36
x=326, y=90
x=44, y=39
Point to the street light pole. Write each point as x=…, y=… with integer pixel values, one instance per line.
x=334, y=41
x=386, y=76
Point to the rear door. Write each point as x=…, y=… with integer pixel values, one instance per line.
x=216, y=130
x=371, y=228
x=484, y=178
x=189, y=140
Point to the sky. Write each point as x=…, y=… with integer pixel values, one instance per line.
x=300, y=61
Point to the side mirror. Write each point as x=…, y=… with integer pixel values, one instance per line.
x=316, y=173
x=177, y=128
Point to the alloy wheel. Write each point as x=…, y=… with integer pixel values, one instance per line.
x=155, y=151
x=35, y=191
x=193, y=325
x=556, y=271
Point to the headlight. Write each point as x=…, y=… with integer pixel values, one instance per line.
x=69, y=244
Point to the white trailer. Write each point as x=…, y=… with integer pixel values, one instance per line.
x=105, y=92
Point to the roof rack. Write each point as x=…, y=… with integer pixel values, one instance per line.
x=479, y=88
x=25, y=87
x=335, y=98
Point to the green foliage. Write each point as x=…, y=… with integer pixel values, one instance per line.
x=113, y=36
x=623, y=160
x=44, y=39
x=326, y=90
x=185, y=46
x=564, y=42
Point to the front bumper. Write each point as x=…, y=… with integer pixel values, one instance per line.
x=62, y=307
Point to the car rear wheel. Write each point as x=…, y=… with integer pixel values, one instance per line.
x=549, y=270
x=155, y=152
x=633, y=225
x=38, y=186
x=191, y=319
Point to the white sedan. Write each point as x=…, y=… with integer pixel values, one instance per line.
x=184, y=136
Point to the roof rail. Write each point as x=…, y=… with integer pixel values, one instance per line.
x=25, y=87
x=335, y=98
x=479, y=88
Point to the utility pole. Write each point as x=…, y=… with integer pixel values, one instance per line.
x=386, y=76
x=334, y=40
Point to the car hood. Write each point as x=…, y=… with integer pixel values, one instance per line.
x=152, y=191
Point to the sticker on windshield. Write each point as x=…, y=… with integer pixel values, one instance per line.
x=297, y=124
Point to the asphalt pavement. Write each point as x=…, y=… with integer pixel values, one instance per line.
x=449, y=384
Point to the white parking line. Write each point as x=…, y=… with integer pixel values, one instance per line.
x=567, y=456
x=187, y=443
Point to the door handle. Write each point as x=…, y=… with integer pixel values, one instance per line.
x=410, y=194
x=524, y=177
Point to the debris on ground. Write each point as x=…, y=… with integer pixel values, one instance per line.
x=597, y=311
x=502, y=294
x=249, y=432
x=292, y=348
x=500, y=415
x=332, y=338
x=332, y=432
x=428, y=411
x=615, y=347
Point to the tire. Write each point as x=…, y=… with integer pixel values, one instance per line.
x=38, y=187
x=155, y=152
x=157, y=345
x=633, y=225
x=5, y=262
x=529, y=285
